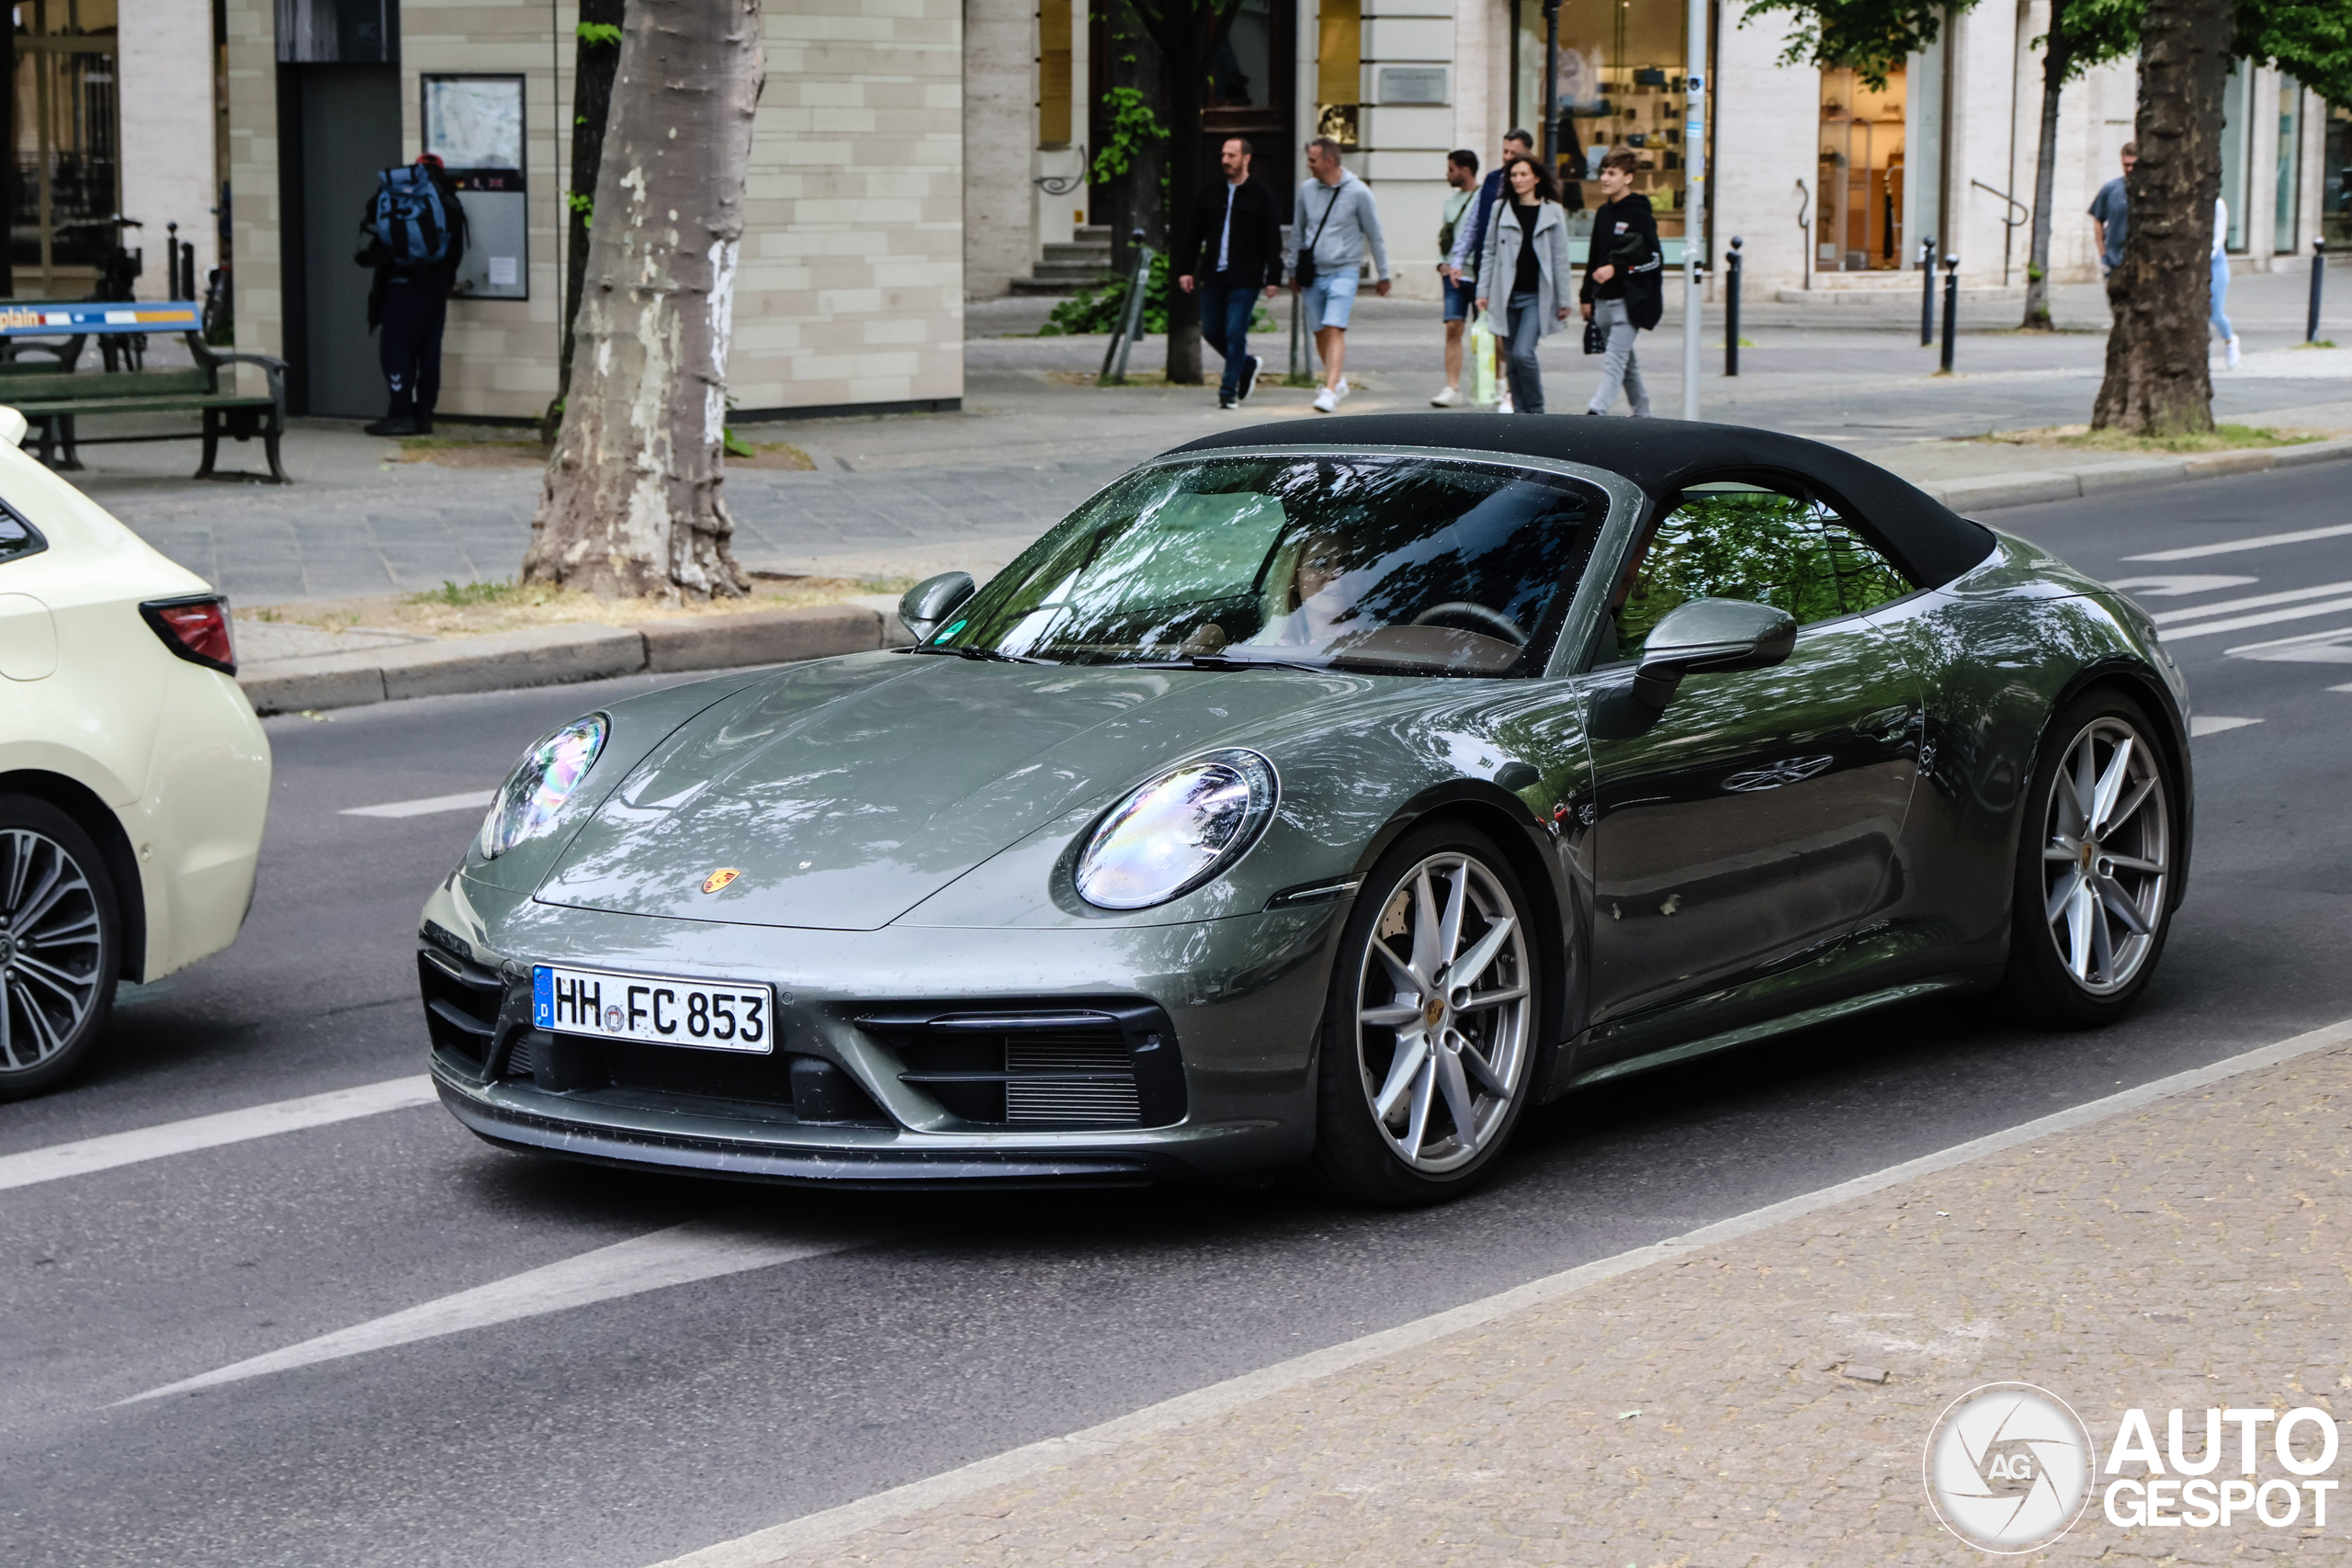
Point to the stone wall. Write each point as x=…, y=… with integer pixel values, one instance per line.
x=999, y=136
x=167, y=131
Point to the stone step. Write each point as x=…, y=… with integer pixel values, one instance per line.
x=1091, y=254
x=1070, y=271
x=1063, y=286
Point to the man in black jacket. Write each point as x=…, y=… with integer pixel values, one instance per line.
x=1240, y=251
x=410, y=304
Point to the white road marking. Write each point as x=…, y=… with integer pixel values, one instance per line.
x=2333, y=647
x=2340, y=688
x=2195, y=552
x=764, y=1547
x=2268, y=618
x=472, y=800
x=2253, y=601
x=2176, y=587
x=699, y=1249
x=2213, y=724
x=59, y=1160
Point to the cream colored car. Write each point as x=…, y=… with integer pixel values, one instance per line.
x=133, y=774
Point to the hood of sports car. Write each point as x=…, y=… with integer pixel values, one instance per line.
x=842, y=793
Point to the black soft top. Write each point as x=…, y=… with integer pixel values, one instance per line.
x=1931, y=542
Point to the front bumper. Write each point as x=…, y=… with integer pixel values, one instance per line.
x=1235, y=1002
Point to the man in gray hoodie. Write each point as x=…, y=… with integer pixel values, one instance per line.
x=1337, y=221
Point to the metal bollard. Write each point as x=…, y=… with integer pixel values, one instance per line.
x=1731, y=310
x=1115, y=357
x=2319, y=272
x=1927, y=291
x=1951, y=306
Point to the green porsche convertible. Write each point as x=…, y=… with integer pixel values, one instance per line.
x=1323, y=802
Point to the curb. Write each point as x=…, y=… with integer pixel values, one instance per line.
x=550, y=656
x=2130, y=473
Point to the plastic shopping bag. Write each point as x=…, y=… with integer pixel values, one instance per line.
x=1482, y=352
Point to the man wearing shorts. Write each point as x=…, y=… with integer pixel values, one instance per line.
x=1462, y=174
x=1336, y=224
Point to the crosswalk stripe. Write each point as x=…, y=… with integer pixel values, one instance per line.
x=80, y=1158
x=2195, y=552
x=2241, y=623
x=2253, y=601
x=472, y=800
x=699, y=1249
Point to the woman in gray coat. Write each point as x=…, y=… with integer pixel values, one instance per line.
x=1527, y=256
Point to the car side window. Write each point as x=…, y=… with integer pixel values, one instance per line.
x=17, y=537
x=1729, y=540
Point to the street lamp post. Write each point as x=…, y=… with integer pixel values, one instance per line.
x=1551, y=86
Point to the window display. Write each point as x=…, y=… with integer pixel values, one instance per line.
x=1859, y=227
x=1619, y=79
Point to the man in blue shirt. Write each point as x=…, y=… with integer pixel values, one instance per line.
x=2111, y=213
x=1462, y=265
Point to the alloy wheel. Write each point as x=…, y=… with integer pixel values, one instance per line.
x=1443, y=1013
x=2107, y=843
x=52, y=949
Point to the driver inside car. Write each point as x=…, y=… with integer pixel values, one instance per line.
x=1309, y=602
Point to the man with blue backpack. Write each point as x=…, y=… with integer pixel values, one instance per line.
x=414, y=234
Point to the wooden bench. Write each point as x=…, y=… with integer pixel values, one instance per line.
x=54, y=395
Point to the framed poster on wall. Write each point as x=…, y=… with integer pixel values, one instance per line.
x=474, y=125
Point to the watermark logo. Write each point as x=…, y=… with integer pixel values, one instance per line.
x=2009, y=1467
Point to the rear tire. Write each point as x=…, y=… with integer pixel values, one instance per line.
x=59, y=946
x=2091, y=902
x=1430, y=1032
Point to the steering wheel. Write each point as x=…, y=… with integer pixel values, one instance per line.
x=1470, y=617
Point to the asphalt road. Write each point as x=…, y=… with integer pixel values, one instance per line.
x=628, y=1429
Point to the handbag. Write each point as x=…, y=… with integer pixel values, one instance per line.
x=1596, y=337
x=1303, y=272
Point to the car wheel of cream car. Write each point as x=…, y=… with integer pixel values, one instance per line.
x=134, y=775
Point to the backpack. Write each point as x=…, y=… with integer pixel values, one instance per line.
x=410, y=218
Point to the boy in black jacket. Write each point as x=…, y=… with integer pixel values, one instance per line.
x=1622, y=289
x=1239, y=251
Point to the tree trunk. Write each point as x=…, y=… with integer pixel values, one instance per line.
x=1182, y=78
x=632, y=504
x=1135, y=63
x=594, y=60
x=2057, y=62
x=2156, y=378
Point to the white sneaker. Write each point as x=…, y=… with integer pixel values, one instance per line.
x=1343, y=388
x=1502, y=403
x=2230, y=355
x=1446, y=398
x=1326, y=400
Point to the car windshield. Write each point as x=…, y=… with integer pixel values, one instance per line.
x=1391, y=565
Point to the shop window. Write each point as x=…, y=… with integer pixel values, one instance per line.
x=2335, y=183
x=2286, y=209
x=1053, y=73
x=1859, y=224
x=1339, y=70
x=1617, y=81
x=2237, y=113
x=68, y=137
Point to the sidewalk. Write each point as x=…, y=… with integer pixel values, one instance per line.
x=1763, y=1403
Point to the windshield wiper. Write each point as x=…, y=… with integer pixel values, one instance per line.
x=984, y=655
x=1218, y=661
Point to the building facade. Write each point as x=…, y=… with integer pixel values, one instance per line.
x=910, y=155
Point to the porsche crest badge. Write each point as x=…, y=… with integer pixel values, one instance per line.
x=720, y=878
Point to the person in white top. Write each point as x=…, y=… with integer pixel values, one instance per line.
x=2221, y=285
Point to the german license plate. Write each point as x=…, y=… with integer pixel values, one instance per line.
x=730, y=1015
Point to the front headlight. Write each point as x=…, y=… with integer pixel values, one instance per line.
x=1178, y=830
x=540, y=783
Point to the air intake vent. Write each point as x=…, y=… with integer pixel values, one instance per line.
x=1062, y=1066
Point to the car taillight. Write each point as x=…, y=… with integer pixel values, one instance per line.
x=196, y=628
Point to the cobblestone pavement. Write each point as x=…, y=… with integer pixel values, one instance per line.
x=1764, y=1404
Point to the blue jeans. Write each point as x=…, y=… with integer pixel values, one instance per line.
x=2220, y=295
x=1225, y=326
x=1526, y=375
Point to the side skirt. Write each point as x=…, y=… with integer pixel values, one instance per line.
x=1807, y=1018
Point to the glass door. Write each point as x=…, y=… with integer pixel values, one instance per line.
x=67, y=173
x=1859, y=224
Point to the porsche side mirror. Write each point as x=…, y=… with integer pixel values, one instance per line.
x=930, y=602
x=1700, y=637
x=1710, y=635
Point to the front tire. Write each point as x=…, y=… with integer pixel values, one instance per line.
x=2092, y=900
x=1429, y=1035
x=60, y=945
